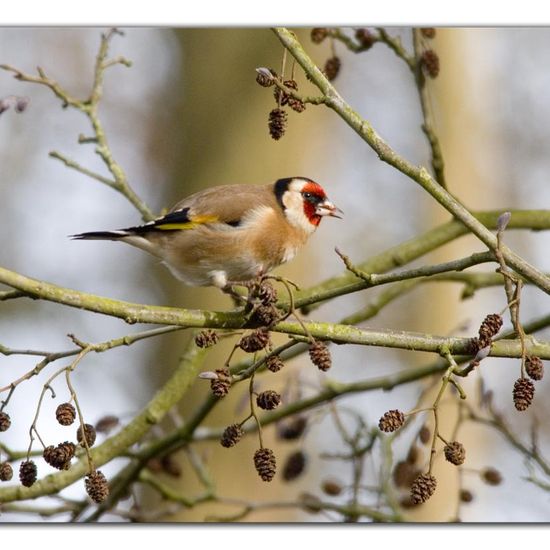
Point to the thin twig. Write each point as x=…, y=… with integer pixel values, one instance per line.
x=69, y=163
x=89, y=107
x=50, y=357
x=438, y=164
x=394, y=43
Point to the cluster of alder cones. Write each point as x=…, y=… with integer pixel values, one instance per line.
x=264, y=298
x=424, y=484
x=59, y=456
x=278, y=117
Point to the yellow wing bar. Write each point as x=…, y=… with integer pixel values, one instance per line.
x=195, y=222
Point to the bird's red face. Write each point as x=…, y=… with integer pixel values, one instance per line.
x=304, y=202
x=316, y=203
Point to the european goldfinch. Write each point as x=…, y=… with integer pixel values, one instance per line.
x=231, y=233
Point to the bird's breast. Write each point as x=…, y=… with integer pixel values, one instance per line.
x=272, y=239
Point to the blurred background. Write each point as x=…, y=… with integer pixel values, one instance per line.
x=189, y=115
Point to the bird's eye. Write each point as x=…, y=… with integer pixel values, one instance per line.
x=307, y=195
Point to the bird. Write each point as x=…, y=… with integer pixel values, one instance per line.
x=230, y=234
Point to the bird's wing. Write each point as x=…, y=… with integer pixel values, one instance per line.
x=227, y=204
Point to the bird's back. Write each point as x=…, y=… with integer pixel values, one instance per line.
x=228, y=203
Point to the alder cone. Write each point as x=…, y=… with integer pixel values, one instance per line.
x=231, y=435
x=391, y=421
x=523, y=393
x=97, y=486
x=265, y=463
x=423, y=488
x=65, y=414
x=534, y=367
x=455, y=453
x=27, y=473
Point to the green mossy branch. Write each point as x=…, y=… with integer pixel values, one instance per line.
x=129, y=312
x=338, y=333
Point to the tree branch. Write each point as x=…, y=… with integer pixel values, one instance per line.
x=418, y=174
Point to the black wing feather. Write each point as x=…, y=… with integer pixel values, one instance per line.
x=179, y=216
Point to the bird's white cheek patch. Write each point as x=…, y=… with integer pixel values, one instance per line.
x=296, y=217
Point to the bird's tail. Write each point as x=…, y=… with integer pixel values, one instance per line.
x=103, y=235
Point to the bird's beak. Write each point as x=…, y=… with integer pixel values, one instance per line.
x=326, y=208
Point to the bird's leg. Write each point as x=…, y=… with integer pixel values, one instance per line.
x=229, y=289
x=252, y=286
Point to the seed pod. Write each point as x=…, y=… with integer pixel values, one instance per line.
x=255, y=341
x=265, y=315
x=268, y=400
x=428, y=32
x=365, y=38
x=4, y=105
x=6, y=471
x=430, y=62
x=97, y=486
x=423, y=488
x=404, y=474
x=65, y=414
x=265, y=77
x=170, y=465
x=534, y=367
x=5, y=421
x=391, y=421
x=292, y=429
x=318, y=34
x=320, y=355
x=267, y=293
x=206, y=339
x=277, y=123
x=425, y=435
x=332, y=67
x=265, y=463
x=331, y=487
x=523, y=393
x=296, y=104
x=60, y=457
x=107, y=423
x=231, y=435
x=274, y=363
x=89, y=433
x=491, y=476
x=281, y=96
x=220, y=385
x=489, y=328
x=27, y=473
x=310, y=503
x=455, y=453
x=294, y=466
x=21, y=104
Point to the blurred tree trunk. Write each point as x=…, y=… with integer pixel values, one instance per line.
x=462, y=131
x=218, y=134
